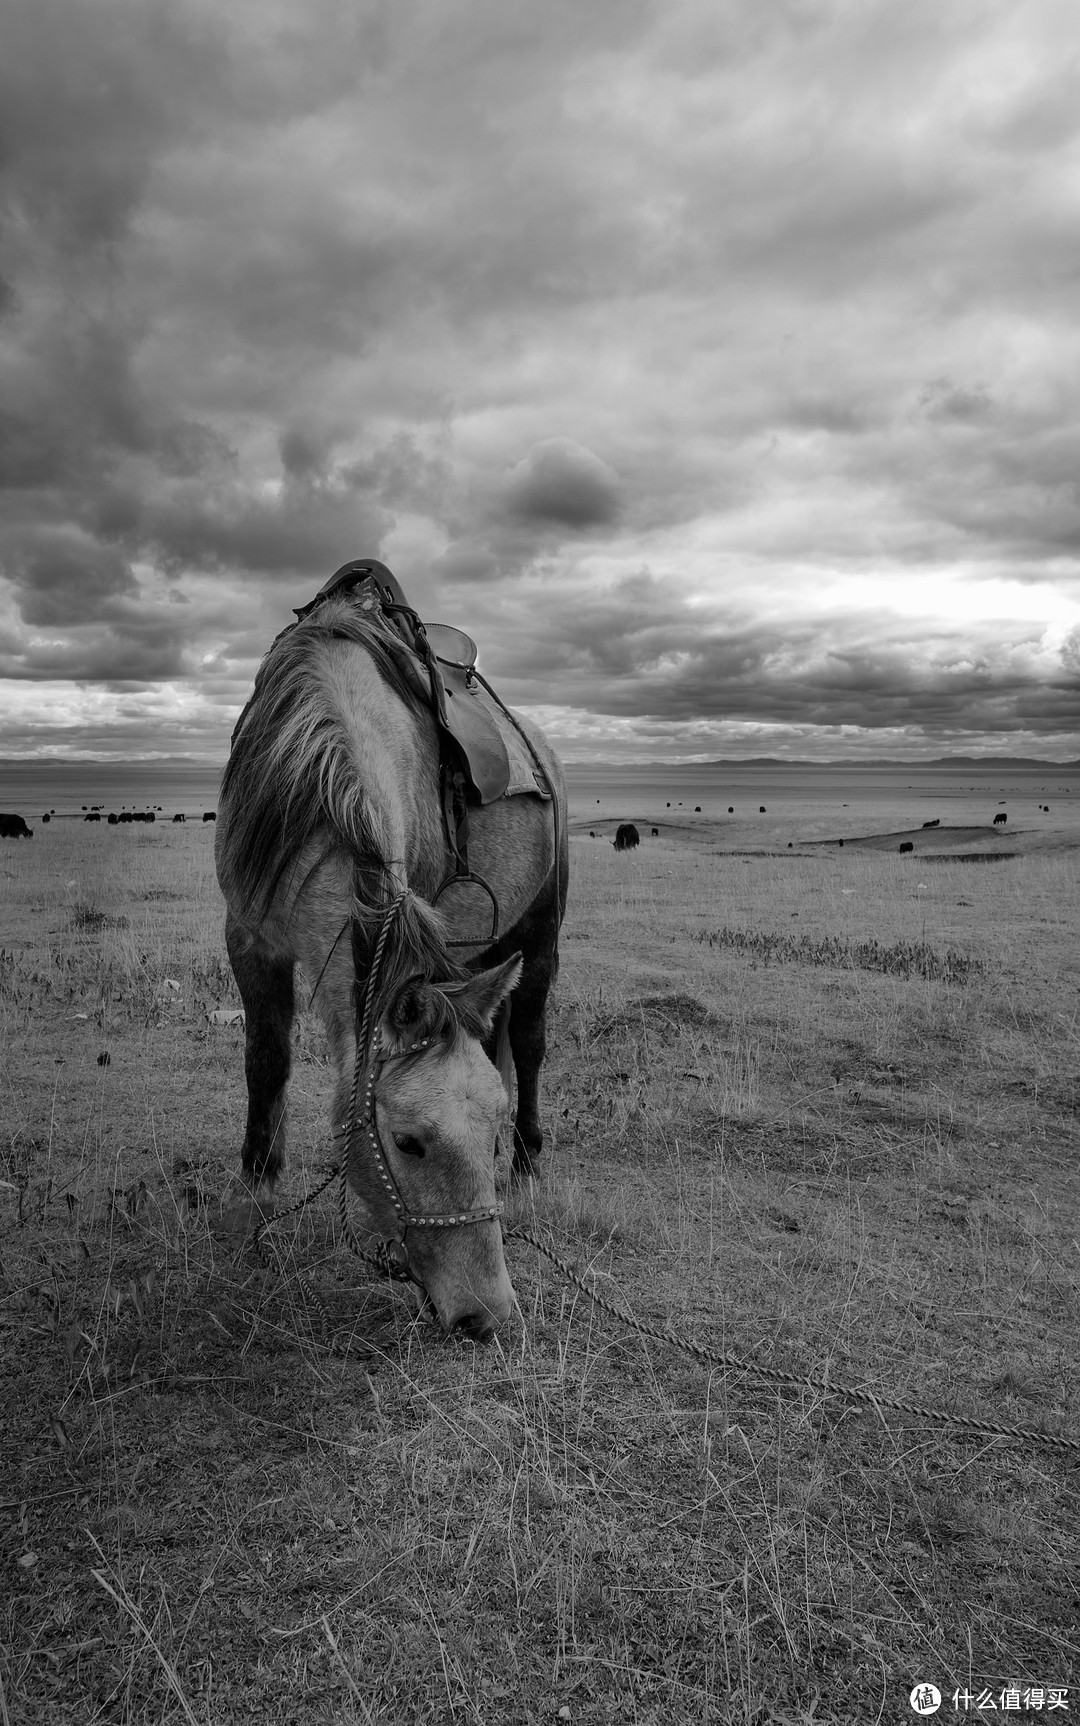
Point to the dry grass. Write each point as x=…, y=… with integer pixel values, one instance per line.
x=761, y=1138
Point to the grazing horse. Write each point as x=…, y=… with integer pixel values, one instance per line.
x=332, y=843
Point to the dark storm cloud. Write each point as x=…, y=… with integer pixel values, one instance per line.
x=303, y=527
x=532, y=302
x=559, y=483
x=66, y=578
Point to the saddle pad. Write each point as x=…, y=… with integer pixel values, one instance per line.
x=524, y=779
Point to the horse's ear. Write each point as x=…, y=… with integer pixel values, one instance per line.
x=413, y=1014
x=479, y=998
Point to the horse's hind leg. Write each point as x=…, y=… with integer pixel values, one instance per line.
x=266, y=989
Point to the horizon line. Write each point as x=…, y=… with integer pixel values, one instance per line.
x=664, y=761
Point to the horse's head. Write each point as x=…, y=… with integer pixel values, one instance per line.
x=439, y=1105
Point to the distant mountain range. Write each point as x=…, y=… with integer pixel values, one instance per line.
x=965, y=761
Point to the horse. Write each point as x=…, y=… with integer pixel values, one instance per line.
x=331, y=845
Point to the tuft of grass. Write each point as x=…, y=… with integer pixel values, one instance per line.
x=86, y=916
x=894, y=959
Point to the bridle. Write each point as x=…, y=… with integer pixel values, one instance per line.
x=361, y=1129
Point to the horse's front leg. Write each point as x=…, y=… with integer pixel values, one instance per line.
x=528, y=1044
x=266, y=989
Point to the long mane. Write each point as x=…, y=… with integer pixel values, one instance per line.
x=292, y=774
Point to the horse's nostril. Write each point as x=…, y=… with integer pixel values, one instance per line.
x=477, y=1326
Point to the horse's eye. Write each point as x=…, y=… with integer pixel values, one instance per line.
x=409, y=1147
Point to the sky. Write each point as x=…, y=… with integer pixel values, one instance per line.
x=714, y=363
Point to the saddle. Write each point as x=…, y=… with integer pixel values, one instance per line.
x=481, y=757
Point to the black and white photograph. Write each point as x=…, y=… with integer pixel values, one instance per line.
x=539, y=862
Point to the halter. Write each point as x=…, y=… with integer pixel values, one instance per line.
x=362, y=1125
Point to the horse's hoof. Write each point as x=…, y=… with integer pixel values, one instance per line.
x=242, y=1211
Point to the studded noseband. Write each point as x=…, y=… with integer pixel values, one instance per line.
x=362, y=1128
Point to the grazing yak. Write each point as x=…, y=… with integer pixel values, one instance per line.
x=14, y=827
x=656, y=832
x=209, y=814
x=177, y=818
x=906, y=846
x=936, y=823
x=626, y=837
x=1000, y=819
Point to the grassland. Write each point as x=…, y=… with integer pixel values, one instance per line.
x=819, y=1108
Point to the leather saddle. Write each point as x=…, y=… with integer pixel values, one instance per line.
x=440, y=665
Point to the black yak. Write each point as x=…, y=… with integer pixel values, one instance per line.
x=626, y=837
x=14, y=827
x=1000, y=820
x=906, y=846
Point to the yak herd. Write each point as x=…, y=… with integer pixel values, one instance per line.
x=627, y=837
x=14, y=826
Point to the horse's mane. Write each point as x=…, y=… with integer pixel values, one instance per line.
x=292, y=774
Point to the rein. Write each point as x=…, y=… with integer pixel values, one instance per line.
x=853, y=1395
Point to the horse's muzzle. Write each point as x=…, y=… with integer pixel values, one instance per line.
x=475, y=1318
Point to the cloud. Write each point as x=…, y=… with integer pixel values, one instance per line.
x=715, y=367
x=66, y=577
x=561, y=484
x=943, y=400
